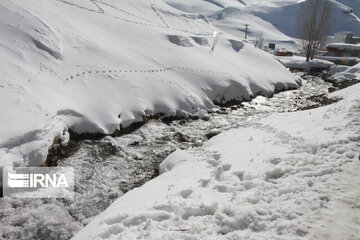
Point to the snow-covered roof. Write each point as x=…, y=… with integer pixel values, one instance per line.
x=344, y=46
x=344, y=32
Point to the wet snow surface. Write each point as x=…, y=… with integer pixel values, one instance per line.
x=107, y=168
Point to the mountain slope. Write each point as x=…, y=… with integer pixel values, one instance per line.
x=93, y=66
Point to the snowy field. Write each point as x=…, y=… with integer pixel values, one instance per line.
x=100, y=65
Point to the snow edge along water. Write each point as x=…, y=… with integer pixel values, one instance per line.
x=290, y=188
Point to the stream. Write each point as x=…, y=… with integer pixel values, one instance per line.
x=106, y=169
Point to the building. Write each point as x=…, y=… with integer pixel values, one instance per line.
x=342, y=53
x=343, y=50
x=344, y=37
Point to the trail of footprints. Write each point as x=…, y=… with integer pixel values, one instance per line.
x=122, y=11
x=133, y=71
x=159, y=16
x=146, y=24
x=100, y=10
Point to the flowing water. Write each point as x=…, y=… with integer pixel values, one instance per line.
x=106, y=169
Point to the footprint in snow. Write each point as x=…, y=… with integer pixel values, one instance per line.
x=186, y=193
x=217, y=156
x=226, y=167
x=224, y=189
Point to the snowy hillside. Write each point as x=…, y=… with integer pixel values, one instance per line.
x=95, y=65
x=275, y=19
x=98, y=66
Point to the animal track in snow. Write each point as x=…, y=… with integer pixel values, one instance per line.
x=147, y=24
x=172, y=68
x=158, y=14
x=186, y=193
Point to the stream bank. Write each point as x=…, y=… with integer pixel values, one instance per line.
x=108, y=167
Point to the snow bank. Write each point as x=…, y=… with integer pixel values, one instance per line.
x=346, y=73
x=337, y=69
x=299, y=62
x=93, y=66
x=343, y=46
x=286, y=176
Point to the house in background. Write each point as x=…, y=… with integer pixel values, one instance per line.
x=343, y=37
x=342, y=48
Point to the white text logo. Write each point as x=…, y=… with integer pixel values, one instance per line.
x=37, y=180
x=40, y=182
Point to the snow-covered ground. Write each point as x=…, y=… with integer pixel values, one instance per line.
x=89, y=65
x=93, y=66
x=285, y=176
x=275, y=19
x=107, y=168
x=343, y=73
x=299, y=62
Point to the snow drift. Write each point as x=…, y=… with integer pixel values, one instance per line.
x=344, y=73
x=97, y=65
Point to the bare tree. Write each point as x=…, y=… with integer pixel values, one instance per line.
x=314, y=25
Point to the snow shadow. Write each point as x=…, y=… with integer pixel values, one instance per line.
x=201, y=41
x=179, y=40
x=236, y=45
